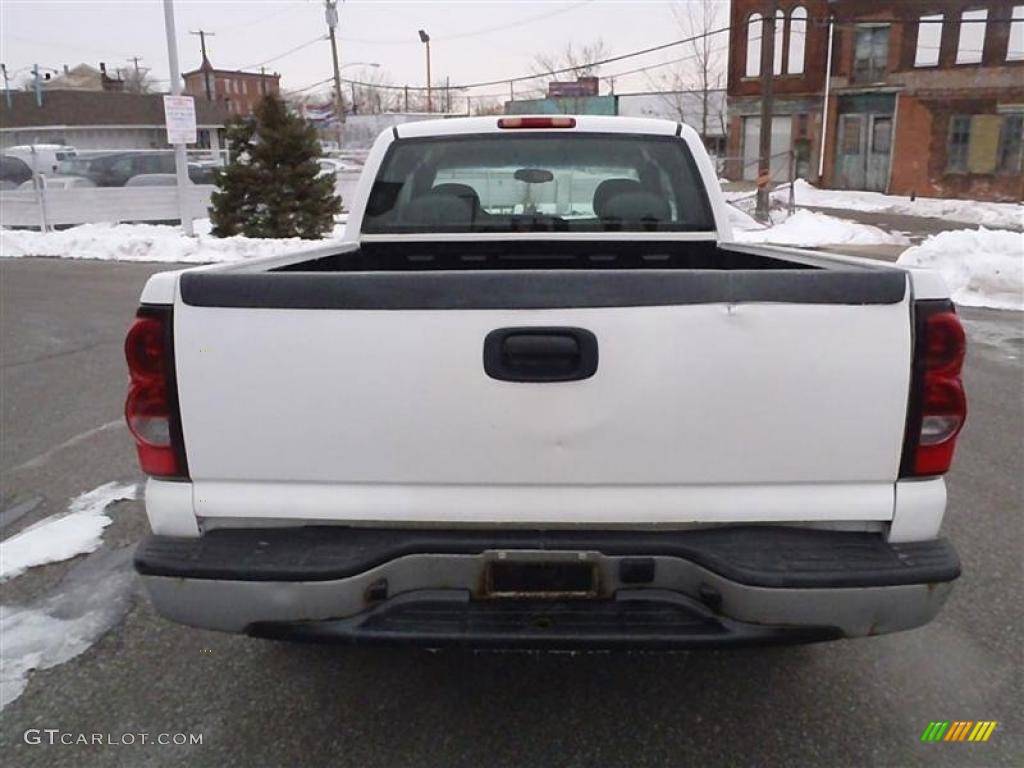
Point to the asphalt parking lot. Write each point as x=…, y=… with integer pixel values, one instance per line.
x=255, y=703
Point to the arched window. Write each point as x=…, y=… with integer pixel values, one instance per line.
x=797, y=40
x=754, y=32
x=780, y=27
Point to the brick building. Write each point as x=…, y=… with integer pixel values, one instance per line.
x=238, y=92
x=923, y=97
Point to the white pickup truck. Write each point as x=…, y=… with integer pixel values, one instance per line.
x=539, y=397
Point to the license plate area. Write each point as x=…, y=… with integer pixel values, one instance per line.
x=541, y=575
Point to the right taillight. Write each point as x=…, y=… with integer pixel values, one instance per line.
x=151, y=408
x=938, y=406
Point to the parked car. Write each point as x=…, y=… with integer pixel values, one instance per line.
x=45, y=158
x=539, y=396
x=14, y=170
x=61, y=182
x=331, y=166
x=152, y=180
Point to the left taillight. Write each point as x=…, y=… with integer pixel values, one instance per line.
x=151, y=408
x=938, y=405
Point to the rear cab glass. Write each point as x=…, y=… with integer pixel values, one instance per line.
x=576, y=182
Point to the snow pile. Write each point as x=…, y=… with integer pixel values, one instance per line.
x=146, y=242
x=982, y=267
x=741, y=220
x=59, y=537
x=91, y=599
x=996, y=215
x=810, y=229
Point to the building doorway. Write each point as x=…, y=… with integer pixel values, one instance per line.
x=864, y=147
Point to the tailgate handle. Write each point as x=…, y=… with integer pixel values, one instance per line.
x=540, y=354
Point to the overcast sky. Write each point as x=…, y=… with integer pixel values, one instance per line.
x=471, y=40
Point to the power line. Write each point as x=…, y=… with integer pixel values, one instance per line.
x=524, y=78
x=289, y=52
x=601, y=62
x=473, y=33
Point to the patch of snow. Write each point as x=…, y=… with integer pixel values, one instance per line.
x=64, y=535
x=982, y=267
x=810, y=229
x=741, y=220
x=147, y=242
x=91, y=599
x=995, y=215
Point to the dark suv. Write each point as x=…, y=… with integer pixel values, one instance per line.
x=113, y=170
x=13, y=171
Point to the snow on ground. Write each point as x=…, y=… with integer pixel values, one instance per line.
x=58, y=537
x=810, y=229
x=146, y=242
x=982, y=267
x=741, y=220
x=996, y=215
x=92, y=598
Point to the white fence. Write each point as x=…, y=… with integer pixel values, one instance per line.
x=60, y=207
x=63, y=207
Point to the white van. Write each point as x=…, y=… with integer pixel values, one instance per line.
x=43, y=158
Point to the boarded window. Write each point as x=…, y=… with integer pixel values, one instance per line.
x=959, y=138
x=780, y=27
x=1011, y=137
x=871, y=54
x=971, y=44
x=754, y=31
x=929, y=40
x=984, y=145
x=797, y=40
x=1015, y=46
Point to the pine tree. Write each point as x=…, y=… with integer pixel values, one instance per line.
x=270, y=188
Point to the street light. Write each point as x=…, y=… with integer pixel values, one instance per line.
x=425, y=39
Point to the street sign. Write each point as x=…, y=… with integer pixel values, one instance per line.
x=180, y=116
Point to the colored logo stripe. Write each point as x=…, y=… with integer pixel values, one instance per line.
x=958, y=730
x=982, y=731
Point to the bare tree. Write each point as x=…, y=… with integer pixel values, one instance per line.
x=702, y=71
x=374, y=95
x=579, y=60
x=488, y=106
x=136, y=80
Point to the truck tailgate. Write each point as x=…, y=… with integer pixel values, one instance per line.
x=697, y=411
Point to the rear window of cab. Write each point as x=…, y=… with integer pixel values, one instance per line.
x=570, y=182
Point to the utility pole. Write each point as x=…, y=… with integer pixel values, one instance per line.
x=331, y=15
x=425, y=39
x=206, y=67
x=511, y=92
x=135, y=60
x=38, y=85
x=7, y=86
x=263, y=81
x=406, y=98
x=764, y=161
x=180, y=159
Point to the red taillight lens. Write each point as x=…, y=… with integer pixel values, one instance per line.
x=144, y=348
x=536, y=122
x=939, y=405
x=151, y=406
x=945, y=344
